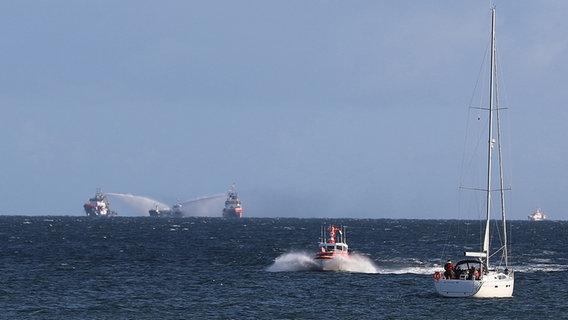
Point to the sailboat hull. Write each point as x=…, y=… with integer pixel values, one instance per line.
x=492, y=285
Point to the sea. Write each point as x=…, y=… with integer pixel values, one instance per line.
x=65, y=267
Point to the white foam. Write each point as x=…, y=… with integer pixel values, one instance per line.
x=293, y=261
x=302, y=261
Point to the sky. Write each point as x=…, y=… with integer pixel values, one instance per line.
x=325, y=109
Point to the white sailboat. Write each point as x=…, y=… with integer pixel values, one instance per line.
x=474, y=276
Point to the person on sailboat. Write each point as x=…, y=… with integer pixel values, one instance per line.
x=458, y=272
x=474, y=274
x=449, y=267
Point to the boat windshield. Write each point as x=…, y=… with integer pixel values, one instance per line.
x=469, y=269
x=337, y=247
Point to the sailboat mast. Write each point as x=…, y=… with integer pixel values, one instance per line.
x=491, y=141
x=501, y=177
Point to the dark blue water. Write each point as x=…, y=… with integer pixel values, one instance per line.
x=213, y=268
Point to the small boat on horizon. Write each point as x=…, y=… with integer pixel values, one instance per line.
x=332, y=250
x=175, y=212
x=233, y=207
x=538, y=216
x=99, y=206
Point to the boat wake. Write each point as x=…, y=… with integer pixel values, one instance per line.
x=425, y=268
x=411, y=270
x=302, y=261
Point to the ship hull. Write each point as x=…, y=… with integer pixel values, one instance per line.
x=493, y=285
x=231, y=213
x=93, y=211
x=336, y=262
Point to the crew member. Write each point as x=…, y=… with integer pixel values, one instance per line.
x=449, y=267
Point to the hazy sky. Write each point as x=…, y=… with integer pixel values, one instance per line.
x=314, y=108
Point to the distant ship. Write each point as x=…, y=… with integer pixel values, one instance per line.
x=174, y=212
x=99, y=206
x=537, y=216
x=233, y=207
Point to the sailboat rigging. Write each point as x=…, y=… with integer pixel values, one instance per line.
x=474, y=276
